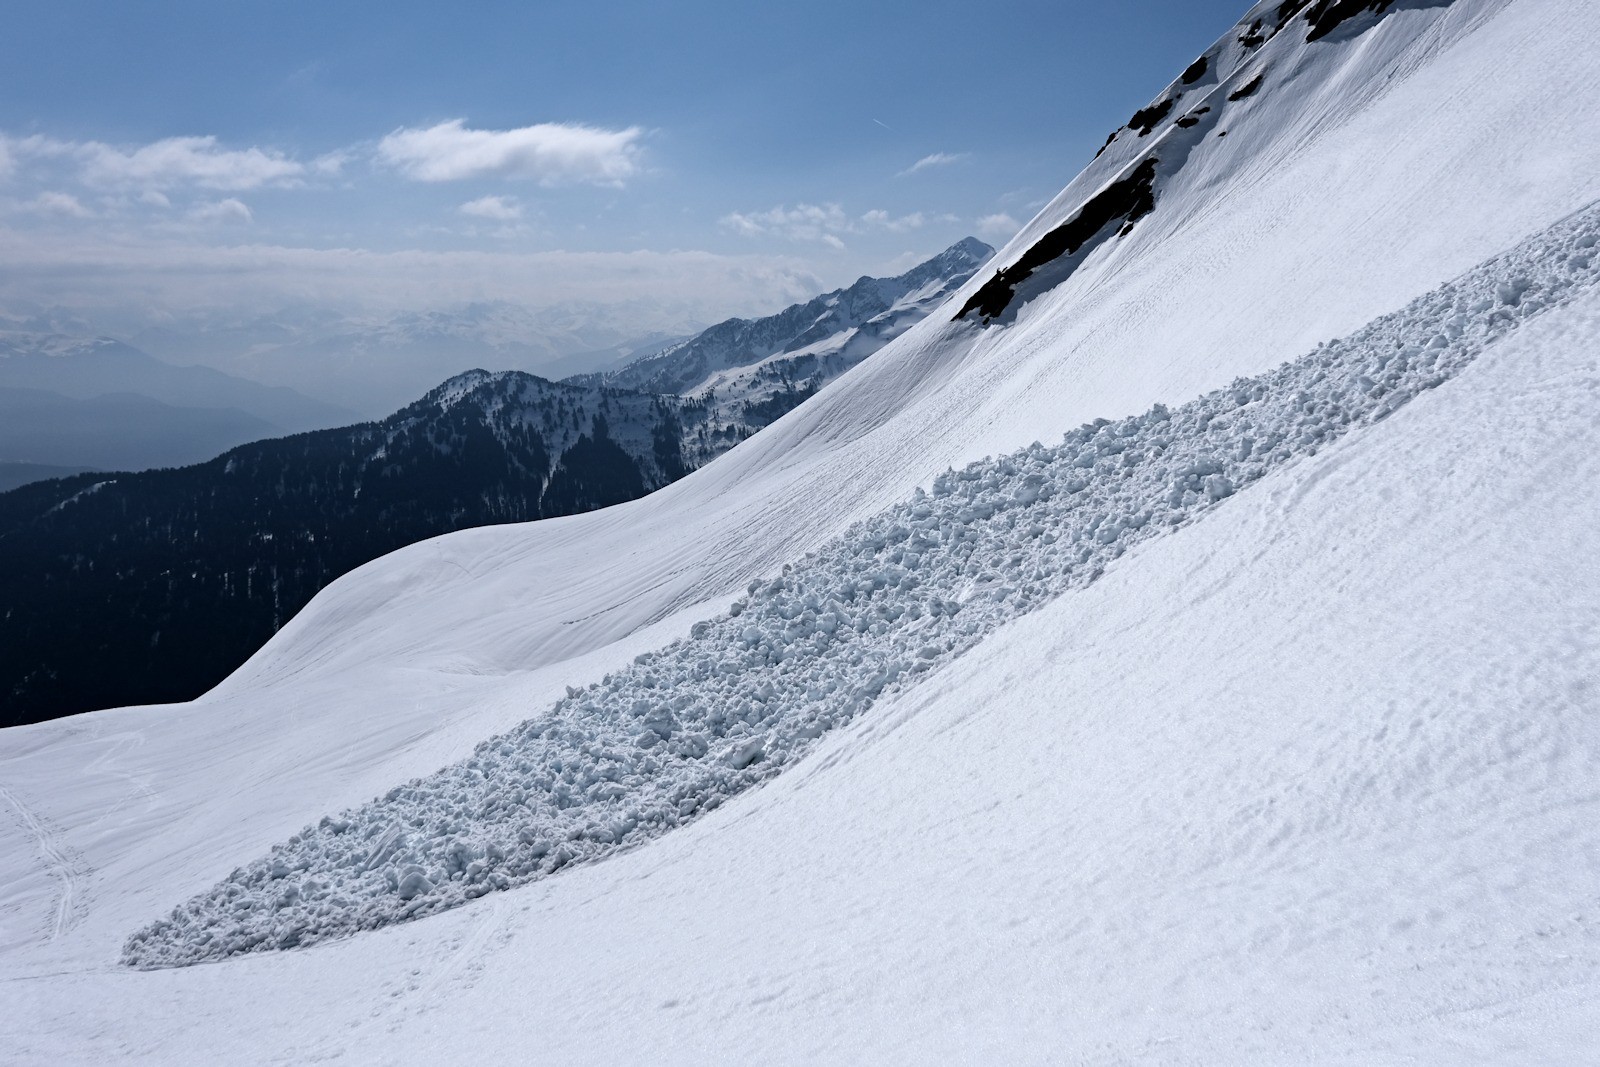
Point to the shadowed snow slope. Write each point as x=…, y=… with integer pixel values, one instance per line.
x=1307, y=781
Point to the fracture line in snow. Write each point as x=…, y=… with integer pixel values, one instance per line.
x=55, y=860
x=683, y=729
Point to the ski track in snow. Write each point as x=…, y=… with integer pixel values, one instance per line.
x=108, y=764
x=681, y=730
x=62, y=869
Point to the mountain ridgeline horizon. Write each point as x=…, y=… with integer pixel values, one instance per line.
x=153, y=586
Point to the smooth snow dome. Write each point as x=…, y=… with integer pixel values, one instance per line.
x=1306, y=780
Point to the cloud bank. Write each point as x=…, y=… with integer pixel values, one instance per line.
x=221, y=211
x=64, y=204
x=173, y=161
x=154, y=278
x=187, y=161
x=998, y=225
x=499, y=208
x=822, y=223
x=549, y=153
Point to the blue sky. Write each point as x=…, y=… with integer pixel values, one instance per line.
x=721, y=156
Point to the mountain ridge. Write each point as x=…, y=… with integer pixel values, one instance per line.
x=690, y=366
x=82, y=369
x=215, y=557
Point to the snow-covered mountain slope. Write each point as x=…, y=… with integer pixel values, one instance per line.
x=513, y=407
x=1345, y=816
x=216, y=556
x=868, y=314
x=1309, y=780
x=743, y=374
x=1306, y=222
x=681, y=732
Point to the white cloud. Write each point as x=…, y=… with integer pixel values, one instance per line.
x=17, y=152
x=999, y=225
x=502, y=208
x=551, y=153
x=803, y=222
x=937, y=159
x=186, y=160
x=154, y=198
x=65, y=204
x=823, y=223
x=34, y=145
x=85, y=273
x=169, y=163
x=330, y=164
x=883, y=220
x=221, y=211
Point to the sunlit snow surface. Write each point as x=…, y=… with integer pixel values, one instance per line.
x=683, y=729
x=1309, y=781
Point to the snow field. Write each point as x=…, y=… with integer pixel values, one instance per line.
x=681, y=730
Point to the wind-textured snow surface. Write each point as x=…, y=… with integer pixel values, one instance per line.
x=681, y=730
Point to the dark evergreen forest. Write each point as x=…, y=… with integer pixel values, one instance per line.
x=150, y=587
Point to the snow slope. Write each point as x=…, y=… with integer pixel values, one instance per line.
x=1312, y=830
x=1344, y=815
x=1461, y=157
x=847, y=324
x=740, y=375
x=905, y=593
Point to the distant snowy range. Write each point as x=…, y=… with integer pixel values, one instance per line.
x=131, y=588
x=1168, y=639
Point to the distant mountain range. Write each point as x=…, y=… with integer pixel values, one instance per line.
x=81, y=369
x=14, y=474
x=743, y=374
x=825, y=336
x=374, y=366
x=101, y=403
x=117, y=430
x=145, y=587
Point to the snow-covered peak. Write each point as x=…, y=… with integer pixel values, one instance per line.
x=690, y=366
x=454, y=389
x=509, y=406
